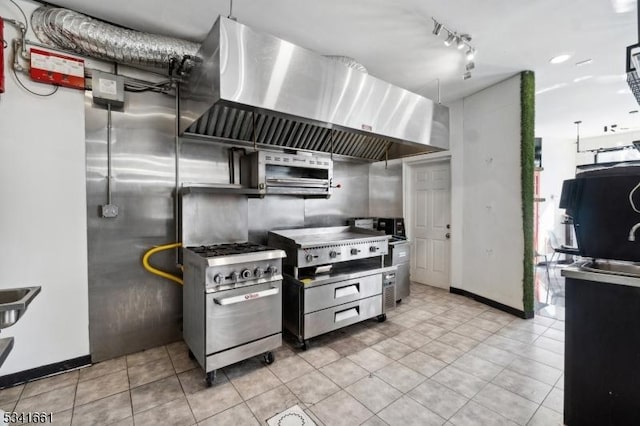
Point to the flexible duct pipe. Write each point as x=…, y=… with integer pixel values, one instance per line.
x=79, y=33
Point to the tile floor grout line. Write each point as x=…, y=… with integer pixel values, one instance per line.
x=133, y=417
x=73, y=405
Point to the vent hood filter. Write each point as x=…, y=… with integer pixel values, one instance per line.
x=253, y=87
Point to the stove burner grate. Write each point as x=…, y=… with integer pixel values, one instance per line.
x=228, y=249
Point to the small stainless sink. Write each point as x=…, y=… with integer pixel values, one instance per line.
x=13, y=303
x=627, y=269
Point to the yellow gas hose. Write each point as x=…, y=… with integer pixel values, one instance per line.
x=163, y=274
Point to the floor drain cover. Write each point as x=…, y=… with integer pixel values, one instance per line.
x=293, y=416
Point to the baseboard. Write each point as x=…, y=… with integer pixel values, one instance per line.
x=493, y=303
x=45, y=370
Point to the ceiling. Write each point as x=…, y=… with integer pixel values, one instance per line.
x=394, y=40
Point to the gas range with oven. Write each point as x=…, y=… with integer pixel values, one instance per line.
x=232, y=303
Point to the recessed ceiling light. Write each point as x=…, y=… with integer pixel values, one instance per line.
x=559, y=59
x=583, y=78
x=585, y=62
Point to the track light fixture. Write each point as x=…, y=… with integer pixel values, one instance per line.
x=471, y=53
x=450, y=38
x=462, y=41
x=437, y=27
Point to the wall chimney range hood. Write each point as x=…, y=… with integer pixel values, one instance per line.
x=249, y=87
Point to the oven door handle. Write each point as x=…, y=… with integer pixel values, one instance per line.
x=247, y=297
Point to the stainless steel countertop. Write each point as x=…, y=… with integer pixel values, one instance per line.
x=580, y=271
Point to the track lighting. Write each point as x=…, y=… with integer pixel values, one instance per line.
x=463, y=41
x=449, y=39
x=471, y=54
x=437, y=27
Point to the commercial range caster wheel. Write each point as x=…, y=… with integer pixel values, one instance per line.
x=305, y=345
x=191, y=355
x=211, y=377
x=268, y=358
x=382, y=318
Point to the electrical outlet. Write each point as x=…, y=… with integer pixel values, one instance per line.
x=109, y=211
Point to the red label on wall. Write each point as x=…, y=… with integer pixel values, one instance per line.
x=53, y=68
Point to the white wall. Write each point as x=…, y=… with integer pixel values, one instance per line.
x=456, y=147
x=559, y=163
x=43, y=216
x=493, y=240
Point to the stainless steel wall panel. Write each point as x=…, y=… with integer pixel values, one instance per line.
x=214, y=218
x=351, y=200
x=130, y=309
x=202, y=162
x=385, y=189
x=274, y=212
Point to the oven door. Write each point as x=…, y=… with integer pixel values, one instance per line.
x=239, y=316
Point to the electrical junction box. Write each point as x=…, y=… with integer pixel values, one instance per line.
x=109, y=211
x=107, y=89
x=53, y=68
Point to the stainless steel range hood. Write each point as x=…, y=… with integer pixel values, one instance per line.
x=253, y=87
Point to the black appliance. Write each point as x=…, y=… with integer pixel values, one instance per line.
x=605, y=206
x=399, y=253
x=392, y=226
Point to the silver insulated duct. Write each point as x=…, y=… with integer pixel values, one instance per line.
x=251, y=87
x=76, y=32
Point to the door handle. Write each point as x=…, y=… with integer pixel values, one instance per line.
x=447, y=235
x=246, y=297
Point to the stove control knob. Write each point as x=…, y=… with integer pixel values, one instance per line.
x=235, y=276
x=272, y=270
x=354, y=251
x=218, y=279
x=373, y=249
x=259, y=272
x=308, y=257
x=333, y=254
x=246, y=274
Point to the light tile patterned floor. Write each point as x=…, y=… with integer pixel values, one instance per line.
x=438, y=359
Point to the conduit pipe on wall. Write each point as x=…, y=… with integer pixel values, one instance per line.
x=79, y=33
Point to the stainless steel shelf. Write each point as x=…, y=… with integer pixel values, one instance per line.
x=220, y=189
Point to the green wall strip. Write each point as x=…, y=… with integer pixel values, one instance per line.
x=527, y=117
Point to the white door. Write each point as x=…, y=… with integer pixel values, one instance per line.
x=430, y=217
